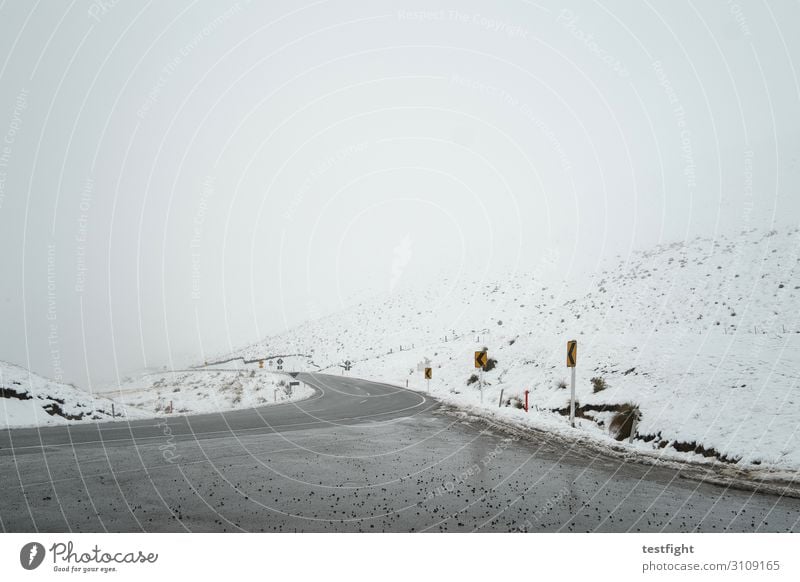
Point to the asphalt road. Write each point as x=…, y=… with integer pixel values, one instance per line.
x=358, y=456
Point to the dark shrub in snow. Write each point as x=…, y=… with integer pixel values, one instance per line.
x=598, y=384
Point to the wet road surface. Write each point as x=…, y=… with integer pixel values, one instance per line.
x=358, y=456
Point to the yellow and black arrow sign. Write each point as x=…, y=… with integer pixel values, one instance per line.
x=481, y=358
x=572, y=353
x=428, y=373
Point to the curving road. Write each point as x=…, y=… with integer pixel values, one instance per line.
x=358, y=456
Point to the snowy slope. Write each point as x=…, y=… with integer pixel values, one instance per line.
x=201, y=391
x=703, y=336
x=27, y=399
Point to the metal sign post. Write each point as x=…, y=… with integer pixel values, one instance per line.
x=481, y=358
x=291, y=387
x=572, y=360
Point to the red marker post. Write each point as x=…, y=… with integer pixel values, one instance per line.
x=526, y=400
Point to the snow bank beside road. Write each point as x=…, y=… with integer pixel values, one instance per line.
x=724, y=393
x=27, y=399
x=203, y=391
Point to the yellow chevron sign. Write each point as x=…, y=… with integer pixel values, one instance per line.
x=572, y=353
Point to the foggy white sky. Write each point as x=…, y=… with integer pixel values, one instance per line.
x=177, y=178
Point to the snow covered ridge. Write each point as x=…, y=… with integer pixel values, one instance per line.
x=27, y=399
x=747, y=283
x=700, y=340
x=212, y=390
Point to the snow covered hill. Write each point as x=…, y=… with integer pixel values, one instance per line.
x=27, y=399
x=700, y=340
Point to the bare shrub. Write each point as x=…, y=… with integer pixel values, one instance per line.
x=598, y=384
x=621, y=425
